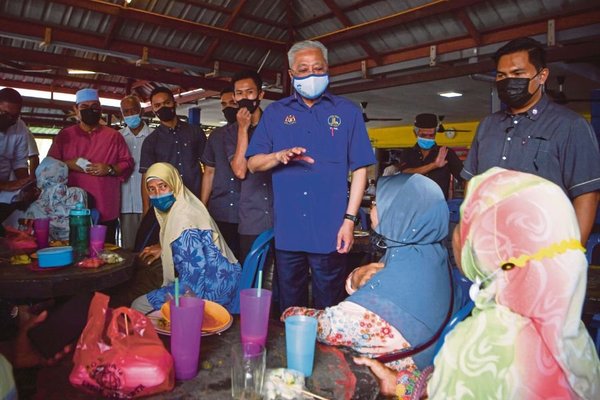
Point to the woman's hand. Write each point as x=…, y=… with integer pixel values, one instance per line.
x=385, y=375
x=363, y=274
x=150, y=254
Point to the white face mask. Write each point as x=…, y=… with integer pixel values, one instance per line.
x=311, y=86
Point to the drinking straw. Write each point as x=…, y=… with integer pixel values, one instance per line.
x=259, y=287
x=176, y=292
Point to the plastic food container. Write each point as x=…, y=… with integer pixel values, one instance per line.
x=55, y=256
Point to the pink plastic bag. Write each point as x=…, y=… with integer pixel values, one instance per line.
x=123, y=359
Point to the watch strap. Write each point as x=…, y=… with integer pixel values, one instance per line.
x=352, y=218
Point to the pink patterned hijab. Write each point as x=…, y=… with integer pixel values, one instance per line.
x=525, y=339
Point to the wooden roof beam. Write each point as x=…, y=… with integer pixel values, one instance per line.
x=230, y=20
x=34, y=29
x=330, y=14
x=346, y=21
x=169, y=22
x=582, y=18
x=417, y=13
x=62, y=78
x=565, y=53
x=469, y=26
x=112, y=68
x=244, y=15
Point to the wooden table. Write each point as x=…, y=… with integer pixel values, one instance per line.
x=19, y=282
x=335, y=375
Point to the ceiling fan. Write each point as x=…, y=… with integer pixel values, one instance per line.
x=363, y=106
x=449, y=132
x=559, y=95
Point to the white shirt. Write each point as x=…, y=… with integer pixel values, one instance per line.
x=131, y=195
x=13, y=149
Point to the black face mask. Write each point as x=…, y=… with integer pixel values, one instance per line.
x=6, y=121
x=90, y=116
x=230, y=114
x=251, y=105
x=514, y=92
x=166, y=114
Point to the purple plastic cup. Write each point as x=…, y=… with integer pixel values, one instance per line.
x=41, y=227
x=186, y=332
x=97, y=237
x=255, y=305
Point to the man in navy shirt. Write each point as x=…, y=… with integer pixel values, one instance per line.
x=256, y=193
x=220, y=188
x=310, y=141
x=175, y=142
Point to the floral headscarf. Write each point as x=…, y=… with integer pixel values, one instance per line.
x=525, y=339
x=56, y=199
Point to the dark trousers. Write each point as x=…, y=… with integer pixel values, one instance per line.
x=328, y=273
x=231, y=236
x=245, y=246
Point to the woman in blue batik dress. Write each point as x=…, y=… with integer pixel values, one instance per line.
x=191, y=243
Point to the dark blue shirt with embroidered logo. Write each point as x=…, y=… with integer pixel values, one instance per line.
x=310, y=199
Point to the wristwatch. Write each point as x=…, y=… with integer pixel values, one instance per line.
x=352, y=218
x=111, y=170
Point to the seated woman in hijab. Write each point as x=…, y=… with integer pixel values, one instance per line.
x=407, y=297
x=191, y=244
x=56, y=199
x=518, y=240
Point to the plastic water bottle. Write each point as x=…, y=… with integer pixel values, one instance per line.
x=79, y=231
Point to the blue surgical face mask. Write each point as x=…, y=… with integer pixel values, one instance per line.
x=163, y=202
x=133, y=121
x=311, y=86
x=425, y=144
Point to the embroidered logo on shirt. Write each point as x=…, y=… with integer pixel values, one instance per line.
x=290, y=119
x=334, y=121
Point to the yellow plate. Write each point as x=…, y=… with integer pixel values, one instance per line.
x=110, y=246
x=216, y=319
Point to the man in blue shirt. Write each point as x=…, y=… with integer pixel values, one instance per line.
x=220, y=188
x=310, y=141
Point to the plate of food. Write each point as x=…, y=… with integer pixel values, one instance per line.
x=216, y=319
x=361, y=233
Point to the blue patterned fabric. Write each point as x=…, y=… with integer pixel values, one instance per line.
x=201, y=269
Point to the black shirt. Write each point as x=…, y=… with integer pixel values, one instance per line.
x=413, y=158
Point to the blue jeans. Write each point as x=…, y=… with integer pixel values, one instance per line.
x=328, y=272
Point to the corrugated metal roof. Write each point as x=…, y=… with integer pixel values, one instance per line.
x=108, y=32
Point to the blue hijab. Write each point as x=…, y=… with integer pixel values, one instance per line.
x=412, y=291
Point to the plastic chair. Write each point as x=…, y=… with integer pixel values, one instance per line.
x=593, y=241
x=254, y=262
